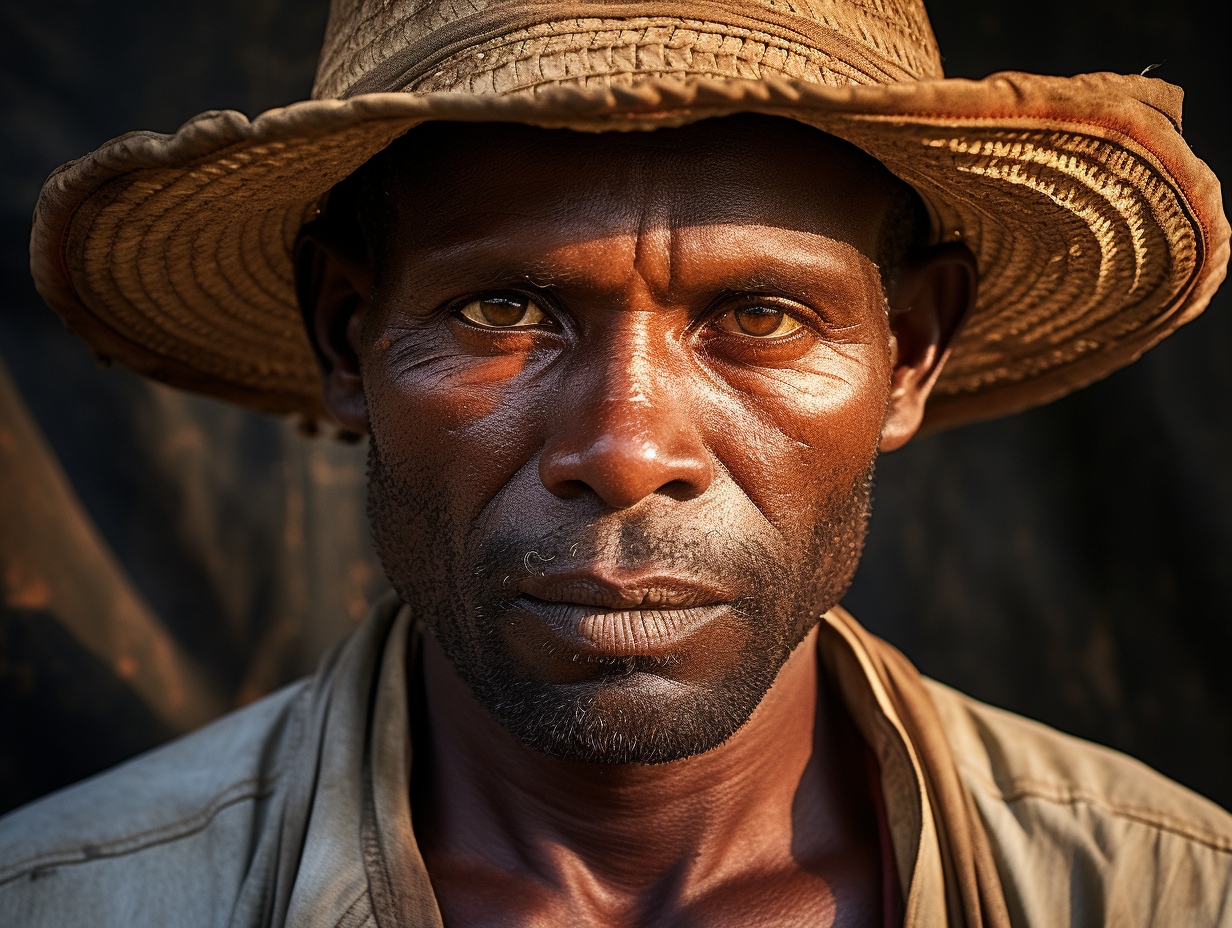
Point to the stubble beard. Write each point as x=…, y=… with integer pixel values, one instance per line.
x=630, y=710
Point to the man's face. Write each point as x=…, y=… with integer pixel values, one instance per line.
x=625, y=393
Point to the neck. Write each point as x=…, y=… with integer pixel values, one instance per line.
x=485, y=803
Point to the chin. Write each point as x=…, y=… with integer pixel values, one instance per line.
x=635, y=717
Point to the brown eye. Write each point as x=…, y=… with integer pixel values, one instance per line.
x=758, y=321
x=504, y=311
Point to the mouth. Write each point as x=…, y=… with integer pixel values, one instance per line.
x=621, y=617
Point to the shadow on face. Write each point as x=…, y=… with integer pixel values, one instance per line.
x=624, y=392
x=754, y=171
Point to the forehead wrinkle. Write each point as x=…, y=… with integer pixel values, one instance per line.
x=653, y=264
x=653, y=235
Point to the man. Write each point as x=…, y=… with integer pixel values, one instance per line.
x=624, y=392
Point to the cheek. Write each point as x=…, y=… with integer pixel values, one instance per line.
x=798, y=441
x=458, y=425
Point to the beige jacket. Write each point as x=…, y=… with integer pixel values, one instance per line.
x=295, y=811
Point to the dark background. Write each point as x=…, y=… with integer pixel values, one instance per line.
x=1073, y=563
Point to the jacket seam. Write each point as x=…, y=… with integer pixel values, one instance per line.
x=358, y=901
x=1034, y=789
x=255, y=788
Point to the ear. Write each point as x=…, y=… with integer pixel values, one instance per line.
x=334, y=289
x=931, y=292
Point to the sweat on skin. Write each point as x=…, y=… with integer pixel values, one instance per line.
x=663, y=364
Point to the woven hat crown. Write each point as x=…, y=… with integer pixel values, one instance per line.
x=506, y=46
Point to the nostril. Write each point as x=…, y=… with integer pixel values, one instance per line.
x=567, y=489
x=682, y=490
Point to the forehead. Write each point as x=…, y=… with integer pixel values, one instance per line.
x=455, y=183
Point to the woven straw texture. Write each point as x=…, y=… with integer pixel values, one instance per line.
x=1096, y=231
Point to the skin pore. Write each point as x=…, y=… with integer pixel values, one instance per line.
x=624, y=394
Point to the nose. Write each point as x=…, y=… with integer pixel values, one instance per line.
x=628, y=434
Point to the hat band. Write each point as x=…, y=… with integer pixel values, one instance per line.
x=411, y=63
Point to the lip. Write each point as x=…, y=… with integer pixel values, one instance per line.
x=622, y=632
x=621, y=591
x=622, y=616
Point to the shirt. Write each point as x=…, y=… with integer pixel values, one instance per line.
x=296, y=811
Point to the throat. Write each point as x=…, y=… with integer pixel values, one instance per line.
x=513, y=836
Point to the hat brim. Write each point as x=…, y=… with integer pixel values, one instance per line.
x=1095, y=229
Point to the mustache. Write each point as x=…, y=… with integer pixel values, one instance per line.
x=508, y=553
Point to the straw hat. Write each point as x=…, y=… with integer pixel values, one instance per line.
x=1096, y=230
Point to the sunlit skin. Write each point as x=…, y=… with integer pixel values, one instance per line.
x=618, y=353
